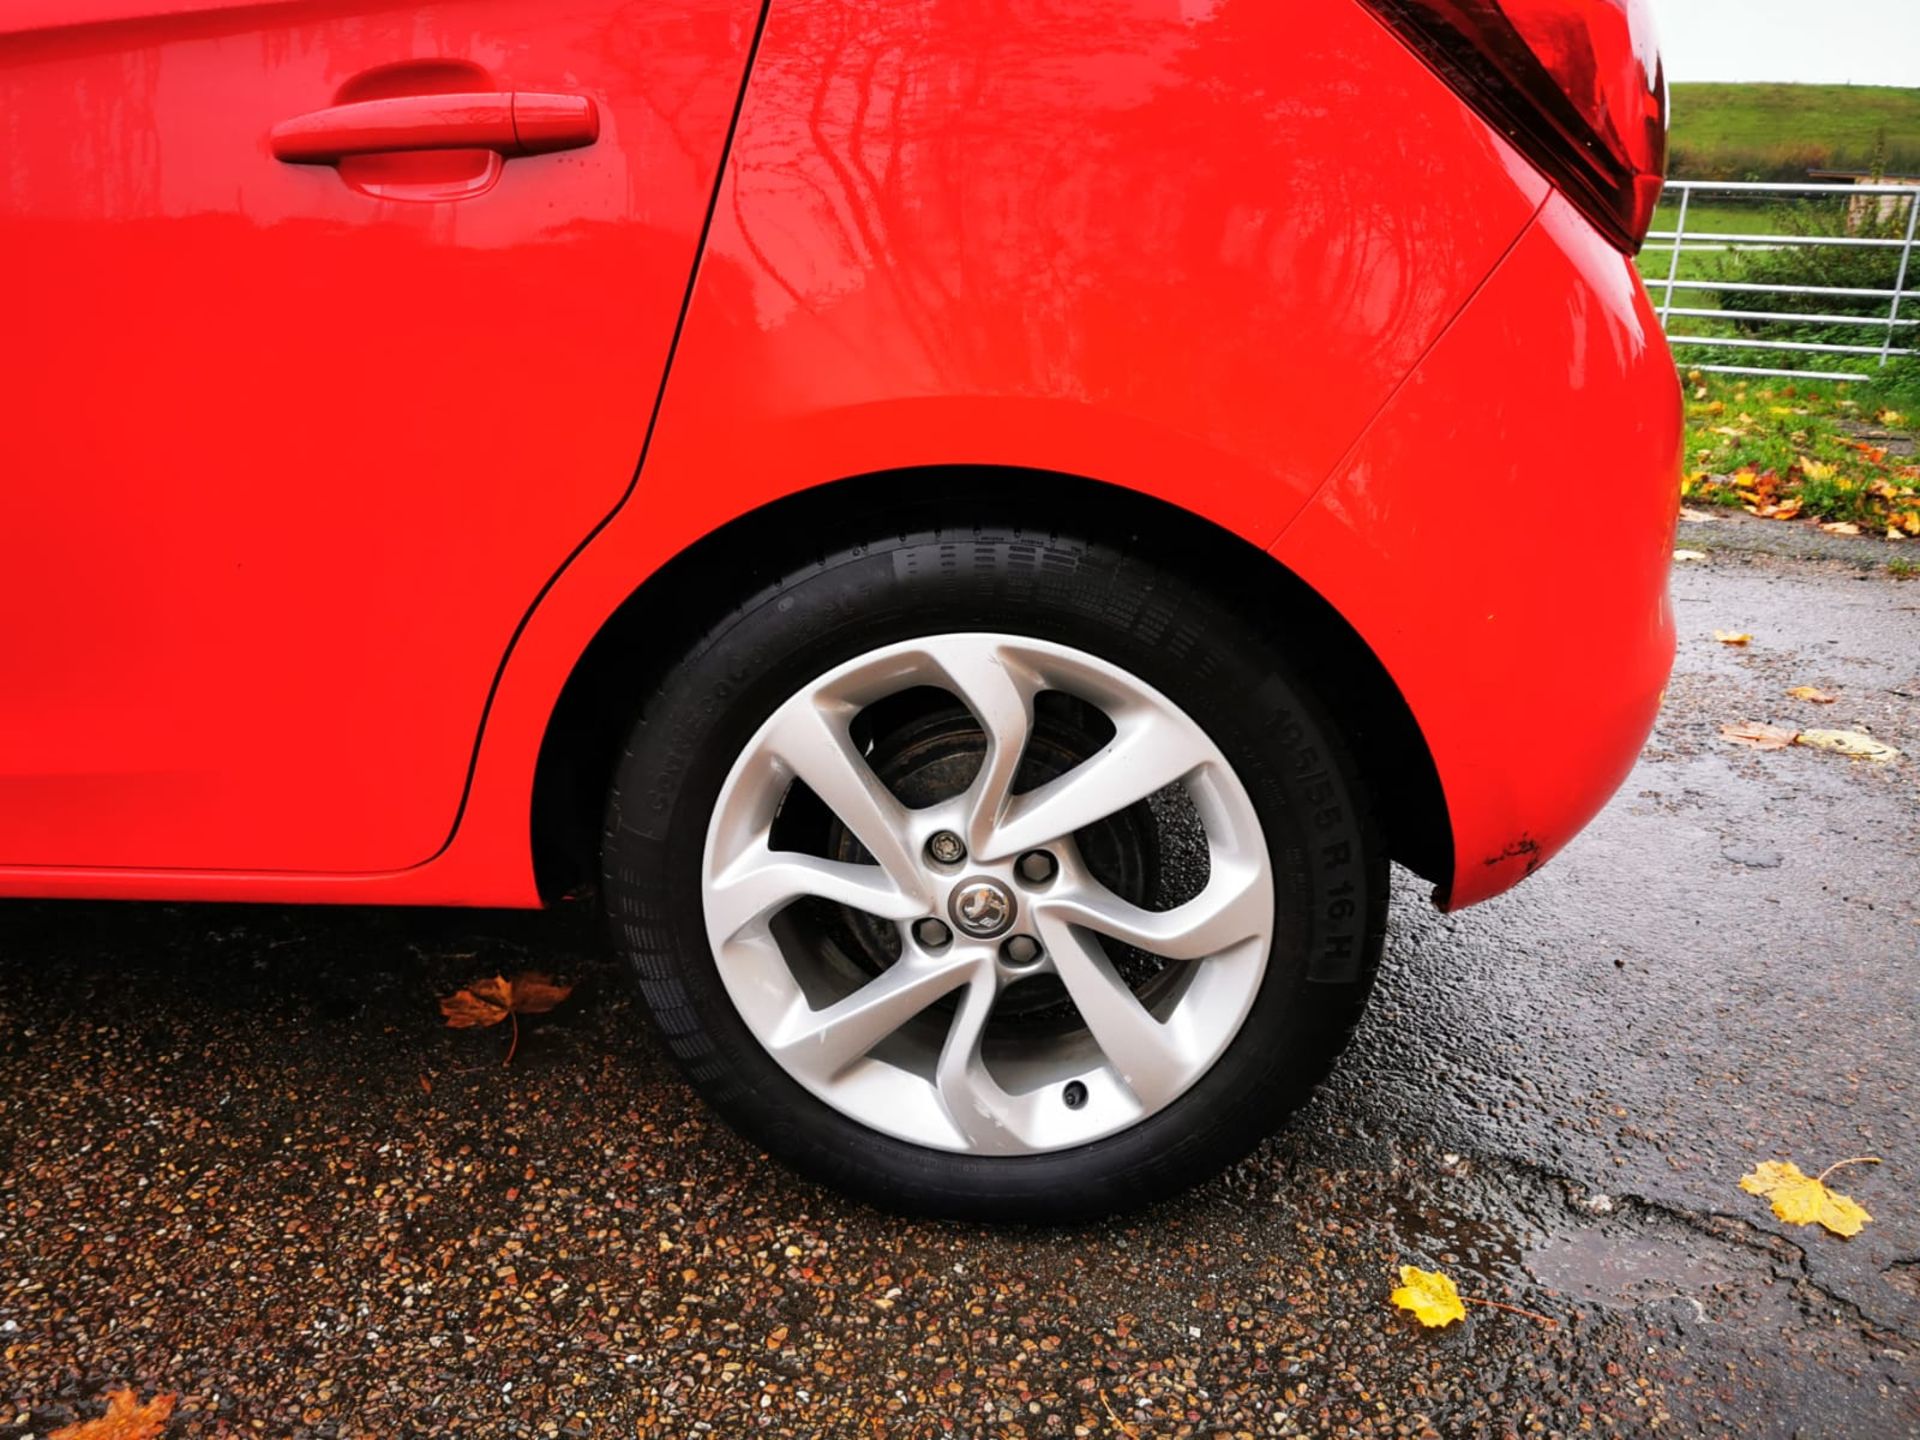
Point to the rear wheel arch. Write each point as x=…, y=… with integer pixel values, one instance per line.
x=638, y=644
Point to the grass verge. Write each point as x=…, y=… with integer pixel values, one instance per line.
x=1786, y=451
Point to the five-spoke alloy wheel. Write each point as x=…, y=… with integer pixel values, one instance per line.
x=1024, y=884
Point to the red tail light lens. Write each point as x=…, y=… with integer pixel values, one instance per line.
x=1577, y=84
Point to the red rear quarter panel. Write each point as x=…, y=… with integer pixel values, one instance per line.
x=1185, y=247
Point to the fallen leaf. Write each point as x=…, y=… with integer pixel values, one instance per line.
x=488, y=1002
x=537, y=994
x=1788, y=510
x=1850, y=743
x=1841, y=527
x=1802, y=1199
x=1732, y=637
x=485, y=1002
x=1817, y=470
x=1760, y=737
x=1431, y=1296
x=1889, y=417
x=1693, y=516
x=126, y=1419
x=1689, y=554
x=1812, y=695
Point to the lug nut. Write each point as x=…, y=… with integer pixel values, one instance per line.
x=1020, y=950
x=946, y=849
x=932, y=933
x=1037, y=867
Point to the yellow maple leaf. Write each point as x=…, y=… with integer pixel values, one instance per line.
x=1816, y=470
x=1801, y=1199
x=1431, y=1296
x=1850, y=743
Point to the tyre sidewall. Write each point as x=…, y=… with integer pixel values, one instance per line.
x=1329, y=880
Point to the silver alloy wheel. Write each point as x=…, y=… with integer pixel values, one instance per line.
x=867, y=1050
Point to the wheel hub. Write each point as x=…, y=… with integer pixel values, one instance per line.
x=982, y=907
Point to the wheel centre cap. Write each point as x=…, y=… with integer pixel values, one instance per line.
x=981, y=907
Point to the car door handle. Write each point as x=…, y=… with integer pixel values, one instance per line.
x=520, y=122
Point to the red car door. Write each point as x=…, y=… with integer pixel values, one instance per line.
x=331, y=330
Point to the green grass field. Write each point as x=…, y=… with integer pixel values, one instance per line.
x=1774, y=133
x=1778, y=132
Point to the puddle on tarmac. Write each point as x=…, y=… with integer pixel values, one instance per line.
x=1447, y=1237
x=1626, y=1268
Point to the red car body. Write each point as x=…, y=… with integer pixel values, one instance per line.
x=321, y=479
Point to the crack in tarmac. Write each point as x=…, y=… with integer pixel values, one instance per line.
x=1716, y=1225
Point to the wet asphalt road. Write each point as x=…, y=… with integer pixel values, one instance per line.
x=241, y=1159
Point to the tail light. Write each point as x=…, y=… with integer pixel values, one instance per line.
x=1577, y=85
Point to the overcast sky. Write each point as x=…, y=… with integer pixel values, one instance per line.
x=1862, y=42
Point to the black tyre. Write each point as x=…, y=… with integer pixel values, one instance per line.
x=994, y=873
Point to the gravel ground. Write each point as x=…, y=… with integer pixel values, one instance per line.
x=241, y=1159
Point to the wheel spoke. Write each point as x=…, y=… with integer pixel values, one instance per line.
x=974, y=1102
x=1148, y=753
x=823, y=1043
x=812, y=740
x=999, y=691
x=762, y=882
x=1235, y=905
x=1137, y=1046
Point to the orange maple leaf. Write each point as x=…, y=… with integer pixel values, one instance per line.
x=126, y=1419
x=488, y=1002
